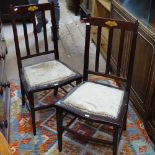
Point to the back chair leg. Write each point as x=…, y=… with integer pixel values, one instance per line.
x=59, y=115
x=78, y=81
x=23, y=94
x=115, y=140
x=55, y=91
x=31, y=103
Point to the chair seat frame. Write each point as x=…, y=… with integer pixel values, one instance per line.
x=61, y=107
x=76, y=77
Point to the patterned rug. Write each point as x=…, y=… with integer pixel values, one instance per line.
x=134, y=141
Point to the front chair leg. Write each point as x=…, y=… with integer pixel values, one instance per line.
x=31, y=103
x=59, y=117
x=23, y=94
x=115, y=140
x=125, y=120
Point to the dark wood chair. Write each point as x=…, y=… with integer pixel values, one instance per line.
x=51, y=74
x=96, y=101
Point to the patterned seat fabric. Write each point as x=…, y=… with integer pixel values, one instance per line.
x=96, y=99
x=47, y=73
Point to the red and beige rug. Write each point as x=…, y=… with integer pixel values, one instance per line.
x=134, y=141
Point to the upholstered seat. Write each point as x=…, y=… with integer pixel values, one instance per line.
x=96, y=99
x=47, y=73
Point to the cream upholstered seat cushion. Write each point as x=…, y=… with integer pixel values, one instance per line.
x=46, y=73
x=96, y=99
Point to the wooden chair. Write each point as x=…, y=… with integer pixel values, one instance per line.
x=96, y=101
x=51, y=74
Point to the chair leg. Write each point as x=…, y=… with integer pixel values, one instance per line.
x=77, y=7
x=55, y=91
x=125, y=120
x=59, y=116
x=81, y=14
x=78, y=81
x=115, y=140
x=31, y=103
x=23, y=94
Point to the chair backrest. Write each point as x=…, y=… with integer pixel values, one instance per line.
x=127, y=35
x=31, y=10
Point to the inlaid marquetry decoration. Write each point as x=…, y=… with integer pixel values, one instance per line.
x=111, y=23
x=32, y=8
